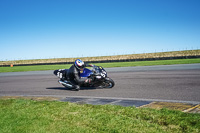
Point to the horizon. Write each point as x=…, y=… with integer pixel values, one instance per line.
x=103, y=55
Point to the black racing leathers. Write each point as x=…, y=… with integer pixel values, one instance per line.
x=73, y=75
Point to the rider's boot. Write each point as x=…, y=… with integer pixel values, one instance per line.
x=76, y=88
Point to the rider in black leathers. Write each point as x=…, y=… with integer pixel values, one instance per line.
x=73, y=74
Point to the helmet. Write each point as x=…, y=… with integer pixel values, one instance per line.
x=79, y=64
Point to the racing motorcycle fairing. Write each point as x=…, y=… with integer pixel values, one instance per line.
x=98, y=71
x=85, y=73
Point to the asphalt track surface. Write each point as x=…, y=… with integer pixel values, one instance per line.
x=171, y=83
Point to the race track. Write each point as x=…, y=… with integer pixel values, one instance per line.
x=168, y=82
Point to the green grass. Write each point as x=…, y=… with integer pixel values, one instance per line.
x=28, y=116
x=33, y=68
x=114, y=64
x=151, y=63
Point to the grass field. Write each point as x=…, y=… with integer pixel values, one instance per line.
x=114, y=64
x=28, y=116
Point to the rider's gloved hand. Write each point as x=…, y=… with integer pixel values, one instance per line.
x=89, y=80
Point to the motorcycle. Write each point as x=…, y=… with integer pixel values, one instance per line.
x=97, y=73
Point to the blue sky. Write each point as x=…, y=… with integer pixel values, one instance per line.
x=38, y=29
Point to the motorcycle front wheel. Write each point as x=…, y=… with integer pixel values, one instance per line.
x=108, y=83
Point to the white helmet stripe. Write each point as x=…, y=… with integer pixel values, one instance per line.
x=79, y=63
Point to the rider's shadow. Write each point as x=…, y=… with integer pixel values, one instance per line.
x=82, y=88
x=57, y=88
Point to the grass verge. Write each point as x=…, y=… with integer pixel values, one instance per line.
x=114, y=64
x=23, y=115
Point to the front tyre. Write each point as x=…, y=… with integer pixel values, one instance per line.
x=108, y=83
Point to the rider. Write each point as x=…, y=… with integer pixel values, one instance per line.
x=73, y=74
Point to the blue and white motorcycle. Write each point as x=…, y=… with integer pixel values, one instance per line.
x=97, y=73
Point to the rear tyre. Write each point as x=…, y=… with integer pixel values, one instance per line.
x=108, y=83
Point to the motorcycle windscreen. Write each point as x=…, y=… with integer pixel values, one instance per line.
x=85, y=73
